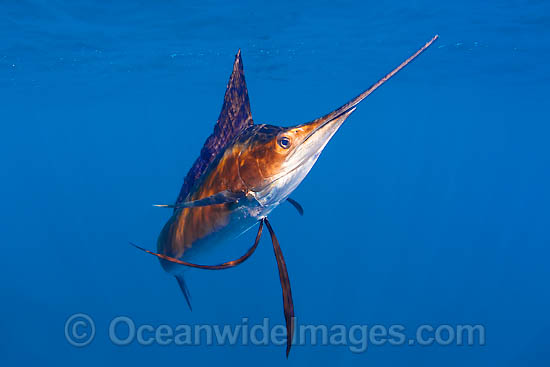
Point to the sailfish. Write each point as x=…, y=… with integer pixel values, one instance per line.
x=244, y=171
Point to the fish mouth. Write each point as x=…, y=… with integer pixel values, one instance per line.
x=321, y=132
x=338, y=119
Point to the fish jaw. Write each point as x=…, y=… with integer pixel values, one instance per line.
x=301, y=160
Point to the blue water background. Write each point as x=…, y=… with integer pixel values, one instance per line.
x=430, y=205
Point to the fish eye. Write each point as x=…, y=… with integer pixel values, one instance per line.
x=284, y=142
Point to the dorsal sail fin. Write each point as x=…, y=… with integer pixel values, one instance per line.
x=234, y=117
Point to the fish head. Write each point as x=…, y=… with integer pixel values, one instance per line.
x=274, y=160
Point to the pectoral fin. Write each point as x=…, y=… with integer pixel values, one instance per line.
x=219, y=198
x=296, y=205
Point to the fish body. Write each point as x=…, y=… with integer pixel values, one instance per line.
x=255, y=166
x=244, y=172
x=192, y=231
